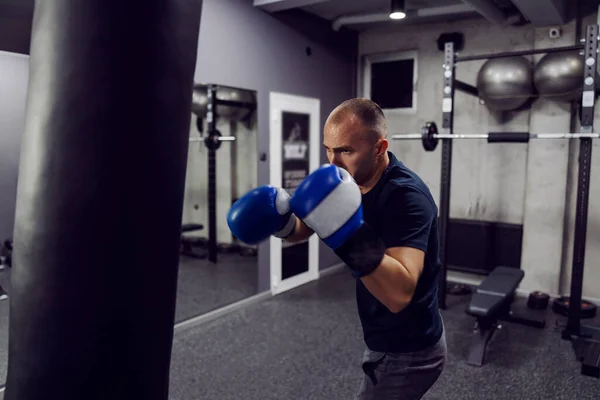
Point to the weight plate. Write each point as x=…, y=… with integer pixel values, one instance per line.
x=212, y=140
x=458, y=289
x=561, y=306
x=429, y=140
x=538, y=300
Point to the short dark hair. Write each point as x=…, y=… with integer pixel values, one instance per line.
x=367, y=111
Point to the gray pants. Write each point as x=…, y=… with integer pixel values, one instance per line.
x=405, y=376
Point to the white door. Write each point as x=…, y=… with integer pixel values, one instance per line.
x=295, y=141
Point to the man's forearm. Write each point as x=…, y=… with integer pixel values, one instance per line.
x=391, y=283
x=301, y=232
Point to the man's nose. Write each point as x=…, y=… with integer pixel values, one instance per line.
x=335, y=160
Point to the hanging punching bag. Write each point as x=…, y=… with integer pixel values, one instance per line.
x=100, y=197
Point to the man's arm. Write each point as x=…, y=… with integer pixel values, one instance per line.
x=301, y=232
x=406, y=236
x=394, y=281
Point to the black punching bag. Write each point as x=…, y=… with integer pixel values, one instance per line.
x=100, y=198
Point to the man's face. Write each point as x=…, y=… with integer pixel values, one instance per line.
x=349, y=145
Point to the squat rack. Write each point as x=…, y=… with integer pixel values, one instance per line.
x=212, y=140
x=585, y=339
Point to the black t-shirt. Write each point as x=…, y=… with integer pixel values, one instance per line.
x=401, y=209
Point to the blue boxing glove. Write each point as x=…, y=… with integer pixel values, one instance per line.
x=260, y=213
x=330, y=203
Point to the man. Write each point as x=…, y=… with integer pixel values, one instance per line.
x=381, y=219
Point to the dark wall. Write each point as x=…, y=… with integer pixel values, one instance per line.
x=245, y=47
x=16, y=18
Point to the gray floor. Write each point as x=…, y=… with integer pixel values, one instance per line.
x=202, y=287
x=306, y=344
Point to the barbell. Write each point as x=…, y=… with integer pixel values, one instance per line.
x=213, y=139
x=430, y=136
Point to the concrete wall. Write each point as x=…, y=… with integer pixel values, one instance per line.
x=244, y=47
x=14, y=75
x=514, y=183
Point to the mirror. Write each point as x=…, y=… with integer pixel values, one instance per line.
x=14, y=81
x=215, y=269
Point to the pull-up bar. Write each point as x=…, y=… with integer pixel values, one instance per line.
x=517, y=53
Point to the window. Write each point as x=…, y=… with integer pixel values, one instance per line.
x=390, y=80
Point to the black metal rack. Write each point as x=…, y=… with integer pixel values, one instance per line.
x=212, y=143
x=585, y=339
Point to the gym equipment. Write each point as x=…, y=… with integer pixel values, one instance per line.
x=505, y=54
x=100, y=199
x=430, y=136
x=490, y=304
x=187, y=244
x=233, y=104
x=208, y=102
x=458, y=289
x=213, y=139
x=585, y=339
x=561, y=306
x=6, y=254
x=458, y=38
x=505, y=83
x=558, y=76
x=538, y=300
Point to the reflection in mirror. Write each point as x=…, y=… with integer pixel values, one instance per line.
x=14, y=83
x=5, y=263
x=215, y=269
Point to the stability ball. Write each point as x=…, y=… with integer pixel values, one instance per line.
x=505, y=83
x=559, y=76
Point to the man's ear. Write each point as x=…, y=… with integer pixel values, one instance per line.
x=382, y=147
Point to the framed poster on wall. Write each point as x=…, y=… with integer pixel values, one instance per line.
x=294, y=147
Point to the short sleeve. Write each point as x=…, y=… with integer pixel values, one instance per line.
x=407, y=218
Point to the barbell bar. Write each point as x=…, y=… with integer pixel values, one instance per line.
x=429, y=136
x=220, y=139
x=213, y=139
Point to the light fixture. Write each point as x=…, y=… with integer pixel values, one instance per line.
x=397, y=11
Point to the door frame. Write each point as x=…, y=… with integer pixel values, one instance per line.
x=279, y=102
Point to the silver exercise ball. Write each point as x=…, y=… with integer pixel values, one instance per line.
x=199, y=101
x=559, y=76
x=505, y=83
x=225, y=112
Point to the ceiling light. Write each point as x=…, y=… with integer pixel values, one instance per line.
x=397, y=11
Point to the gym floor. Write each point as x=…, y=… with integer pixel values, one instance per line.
x=202, y=287
x=307, y=344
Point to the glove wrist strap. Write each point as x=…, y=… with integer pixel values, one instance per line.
x=288, y=229
x=363, y=252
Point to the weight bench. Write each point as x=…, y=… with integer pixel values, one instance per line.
x=187, y=243
x=491, y=303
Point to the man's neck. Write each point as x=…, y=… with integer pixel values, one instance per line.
x=372, y=181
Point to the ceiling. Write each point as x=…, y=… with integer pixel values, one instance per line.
x=357, y=15
x=332, y=9
x=366, y=14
